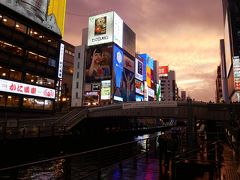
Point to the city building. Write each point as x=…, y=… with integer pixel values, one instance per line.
x=78, y=72
x=231, y=15
x=183, y=95
x=109, y=61
x=224, y=78
x=67, y=77
x=169, y=90
x=30, y=49
x=219, y=94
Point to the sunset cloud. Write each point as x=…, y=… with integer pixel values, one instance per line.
x=183, y=34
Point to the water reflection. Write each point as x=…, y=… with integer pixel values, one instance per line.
x=52, y=170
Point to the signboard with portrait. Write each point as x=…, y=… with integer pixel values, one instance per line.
x=105, y=28
x=98, y=63
x=48, y=13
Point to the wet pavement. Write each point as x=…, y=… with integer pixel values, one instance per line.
x=149, y=168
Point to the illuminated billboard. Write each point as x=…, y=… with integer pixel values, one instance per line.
x=128, y=63
x=139, y=87
x=139, y=69
x=147, y=62
x=117, y=73
x=128, y=93
x=162, y=71
x=145, y=93
x=60, y=63
x=98, y=63
x=48, y=13
x=236, y=72
x=105, y=28
x=105, y=90
x=26, y=89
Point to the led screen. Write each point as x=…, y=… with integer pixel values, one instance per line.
x=139, y=98
x=139, y=87
x=48, y=13
x=117, y=73
x=128, y=86
x=162, y=71
x=98, y=63
x=236, y=71
x=128, y=63
x=105, y=89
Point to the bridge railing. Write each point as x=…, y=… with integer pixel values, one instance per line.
x=83, y=164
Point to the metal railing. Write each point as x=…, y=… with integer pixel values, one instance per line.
x=84, y=164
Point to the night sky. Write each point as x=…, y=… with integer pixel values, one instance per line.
x=183, y=34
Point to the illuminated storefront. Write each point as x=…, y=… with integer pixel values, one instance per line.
x=29, y=56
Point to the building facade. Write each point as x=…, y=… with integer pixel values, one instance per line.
x=219, y=92
x=169, y=90
x=29, y=63
x=231, y=15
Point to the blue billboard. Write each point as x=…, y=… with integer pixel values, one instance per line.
x=148, y=63
x=118, y=73
x=139, y=98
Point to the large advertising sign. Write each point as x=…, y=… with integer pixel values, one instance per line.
x=158, y=91
x=26, y=89
x=139, y=87
x=98, y=63
x=147, y=62
x=118, y=73
x=139, y=69
x=48, y=13
x=145, y=93
x=128, y=86
x=105, y=28
x=236, y=72
x=151, y=92
x=162, y=71
x=106, y=89
x=128, y=63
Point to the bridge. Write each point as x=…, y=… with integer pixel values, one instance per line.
x=133, y=114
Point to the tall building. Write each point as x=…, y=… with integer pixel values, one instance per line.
x=78, y=76
x=30, y=49
x=169, y=87
x=231, y=15
x=66, y=83
x=223, y=72
x=219, y=94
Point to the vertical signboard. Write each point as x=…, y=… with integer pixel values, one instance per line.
x=117, y=73
x=118, y=30
x=138, y=69
x=145, y=91
x=236, y=72
x=60, y=64
x=105, y=90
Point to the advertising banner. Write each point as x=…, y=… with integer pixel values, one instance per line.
x=151, y=92
x=48, y=13
x=236, y=72
x=158, y=91
x=128, y=63
x=128, y=86
x=145, y=93
x=139, y=69
x=60, y=65
x=106, y=89
x=117, y=73
x=26, y=89
x=162, y=71
x=105, y=28
x=98, y=63
x=139, y=87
